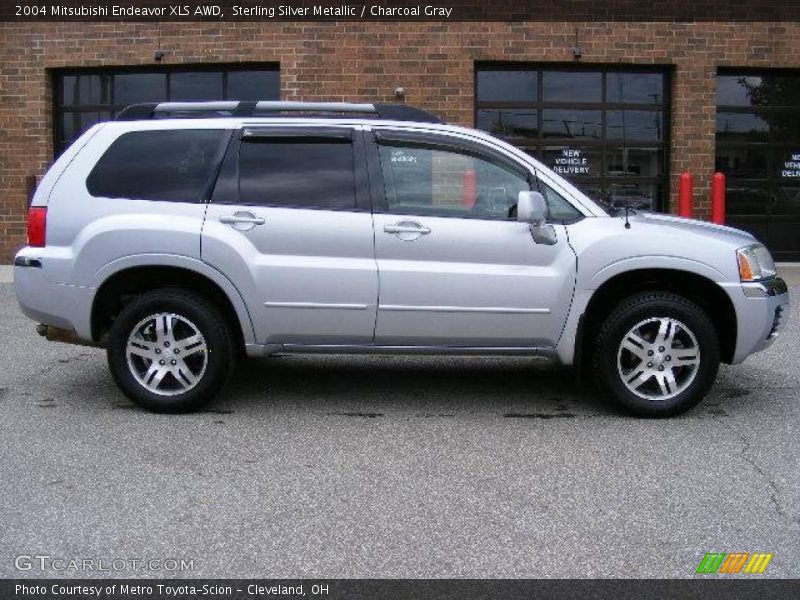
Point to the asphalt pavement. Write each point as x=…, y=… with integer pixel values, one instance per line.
x=391, y=467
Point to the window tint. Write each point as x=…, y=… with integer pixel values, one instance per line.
x=507, y=86
x=573, y=86
x=635, y=88
x=157, y=165
x=746, y=200
x=86, y=96
x=85, y=89
x=734, y=90
x=297, y=172
x=191, y=87
x=509, y=123
x=744, y=162
x=595, y=126
x=446, y=183
x=635, y=125
x=558, y=209
x=130, y=88
x=742, y=126
x=634, y=162
x=575, y=124
x=252, y=85
x=633, y=194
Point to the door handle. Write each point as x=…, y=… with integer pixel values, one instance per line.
x=240, y=218
x=407, y=227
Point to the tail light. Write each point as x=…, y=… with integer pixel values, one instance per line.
x=37, y=225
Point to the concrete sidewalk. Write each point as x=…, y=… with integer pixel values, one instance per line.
x=6, y=273
x=791, y=273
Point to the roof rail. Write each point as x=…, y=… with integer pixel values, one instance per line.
x=233, y=108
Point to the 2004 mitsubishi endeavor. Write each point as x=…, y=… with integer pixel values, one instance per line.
x=183, y=235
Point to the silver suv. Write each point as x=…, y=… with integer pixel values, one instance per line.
x=184, y=235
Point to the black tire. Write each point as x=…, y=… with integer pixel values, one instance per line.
x=638, y=309
x=206, y=318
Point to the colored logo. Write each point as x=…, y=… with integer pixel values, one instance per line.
x=738, y=562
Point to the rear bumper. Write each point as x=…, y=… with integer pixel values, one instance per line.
x=57, y=304
x=762, y=313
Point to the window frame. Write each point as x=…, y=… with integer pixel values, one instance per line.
x=767, y=184
x=228, y=178
x=210, y=180
x=433, y=141
x=539, y=143
x=449, y=143
x=61, y=109
x=769, y=144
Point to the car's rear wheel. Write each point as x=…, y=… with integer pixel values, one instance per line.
x=657, y=353
x=170, y=350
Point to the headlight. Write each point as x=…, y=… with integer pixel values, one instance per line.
x=755, y=263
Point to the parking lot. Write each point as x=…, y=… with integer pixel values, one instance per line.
x=393, y=467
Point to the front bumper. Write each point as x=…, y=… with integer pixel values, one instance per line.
x=762, y=313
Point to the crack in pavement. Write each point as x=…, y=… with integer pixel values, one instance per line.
x=779, y=509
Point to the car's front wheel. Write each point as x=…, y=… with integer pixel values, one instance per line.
x=170, y=350
x=657, y=353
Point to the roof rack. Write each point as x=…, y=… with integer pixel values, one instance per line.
x=232, y=108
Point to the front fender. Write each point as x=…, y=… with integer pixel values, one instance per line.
x=592, y=281
x=588, y=283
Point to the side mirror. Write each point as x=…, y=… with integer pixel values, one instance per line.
x=532, y=209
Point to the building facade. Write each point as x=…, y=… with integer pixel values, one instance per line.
x=636, y=105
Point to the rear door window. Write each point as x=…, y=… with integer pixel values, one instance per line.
x=298, y=172
x=172, y=165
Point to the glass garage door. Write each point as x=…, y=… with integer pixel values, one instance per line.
x=84, y=97
x=758, y=149
x=605, y=129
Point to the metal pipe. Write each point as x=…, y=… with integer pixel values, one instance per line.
x=65, y=336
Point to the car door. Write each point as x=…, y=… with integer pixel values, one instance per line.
x=455, y=266
x=289, y=223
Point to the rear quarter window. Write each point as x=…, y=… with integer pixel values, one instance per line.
x=172, y=166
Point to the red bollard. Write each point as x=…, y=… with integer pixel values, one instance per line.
x=470, y=189
x=685, y=195
x=718, y=199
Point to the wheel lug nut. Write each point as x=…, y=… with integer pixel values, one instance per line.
x=162, y=362
x=166, y=344
x=669, y=357
x=661, y=348
x=650, y=365
x=174, y=362
x=158, y=350
x=661, y=368
x=177, y=351
x=649, y=353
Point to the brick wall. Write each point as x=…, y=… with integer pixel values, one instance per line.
x=365, y=61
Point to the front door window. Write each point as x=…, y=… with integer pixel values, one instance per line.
x=425, y=181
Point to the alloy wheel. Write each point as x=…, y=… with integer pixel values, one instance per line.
x=167, y=354
x=658, y=358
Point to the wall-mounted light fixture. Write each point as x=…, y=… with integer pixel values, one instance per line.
x=576, y=49
x=399, y=92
